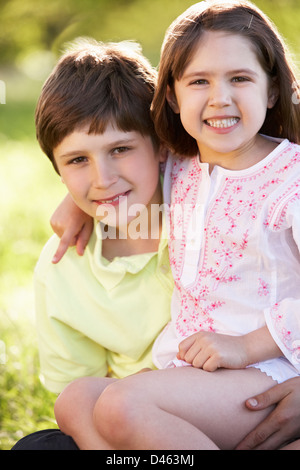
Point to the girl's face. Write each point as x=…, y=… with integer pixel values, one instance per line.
x=222, y=98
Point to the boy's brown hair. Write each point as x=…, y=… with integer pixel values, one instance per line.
x=96, y=84
x=236, y=17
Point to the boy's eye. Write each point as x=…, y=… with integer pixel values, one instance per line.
x=120, y=150
x=200, y=81
x=77, y=160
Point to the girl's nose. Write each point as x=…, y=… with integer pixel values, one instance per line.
x=220, y=96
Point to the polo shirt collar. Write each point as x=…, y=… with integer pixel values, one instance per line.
x=111, y=273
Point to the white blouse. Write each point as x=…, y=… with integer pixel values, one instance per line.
x=234, y=239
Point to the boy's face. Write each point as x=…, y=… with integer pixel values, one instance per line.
x=106, y=174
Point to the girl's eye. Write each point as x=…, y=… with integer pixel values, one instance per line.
x=240, y=79
x=200, y=81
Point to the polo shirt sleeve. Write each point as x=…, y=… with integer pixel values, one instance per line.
x=65, y=353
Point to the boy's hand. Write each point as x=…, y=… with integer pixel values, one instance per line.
x=282, y=424
x=73, y=226
x=210, y=351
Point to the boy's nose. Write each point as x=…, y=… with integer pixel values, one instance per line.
x=103, y=175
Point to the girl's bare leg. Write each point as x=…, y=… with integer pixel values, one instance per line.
x=74, y=412
x=183, y=408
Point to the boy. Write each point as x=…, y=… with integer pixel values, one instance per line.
x=98, y=315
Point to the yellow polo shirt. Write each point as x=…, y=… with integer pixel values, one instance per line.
x=98, y=318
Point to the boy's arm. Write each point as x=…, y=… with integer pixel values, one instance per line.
x=72, y=225
x=282, y=425
x=66, y=352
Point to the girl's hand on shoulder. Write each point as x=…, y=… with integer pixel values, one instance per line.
x=211, y=351
x=73, y=226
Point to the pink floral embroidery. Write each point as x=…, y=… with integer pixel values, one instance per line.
x=286, y=335
x=228, y=244
x=263, y=289
x=276, y=215
x=192, y=317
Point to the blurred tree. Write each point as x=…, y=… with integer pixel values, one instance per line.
x=30, y=25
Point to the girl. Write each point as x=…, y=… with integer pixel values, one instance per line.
x=226, y=99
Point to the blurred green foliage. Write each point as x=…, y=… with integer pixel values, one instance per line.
x=28, y=25
x=32, y=34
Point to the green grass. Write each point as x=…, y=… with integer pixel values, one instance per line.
x=25, y=405
x=29, y=192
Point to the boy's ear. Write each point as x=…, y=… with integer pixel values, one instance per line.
x=273, y=95
x=172, y=100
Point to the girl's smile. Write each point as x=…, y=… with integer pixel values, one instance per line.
x=222, y=124
x=222, y=98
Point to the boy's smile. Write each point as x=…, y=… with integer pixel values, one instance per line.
x=113, y=201
x=113, y=171
x=222, y=98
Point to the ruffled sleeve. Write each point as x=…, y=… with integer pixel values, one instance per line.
x=283, y=318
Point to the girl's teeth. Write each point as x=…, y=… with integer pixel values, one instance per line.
x=222, y=123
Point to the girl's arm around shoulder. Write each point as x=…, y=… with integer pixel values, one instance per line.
x=72, y=225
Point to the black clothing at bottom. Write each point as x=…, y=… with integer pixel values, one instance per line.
x=48, y=439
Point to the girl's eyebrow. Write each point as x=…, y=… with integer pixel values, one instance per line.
x=245, y=71
x=204, y=74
